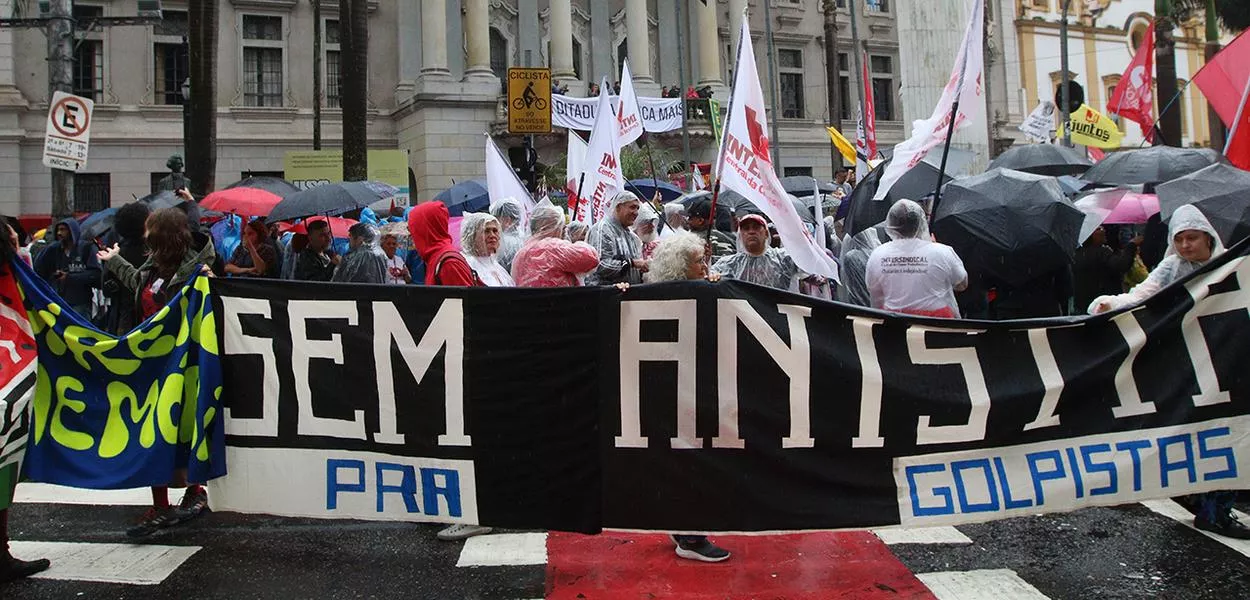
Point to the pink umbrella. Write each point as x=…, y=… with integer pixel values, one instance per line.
x=1133, y=209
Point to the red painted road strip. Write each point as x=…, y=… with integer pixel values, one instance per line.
x=809, y=566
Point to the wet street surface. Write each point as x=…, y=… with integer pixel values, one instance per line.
x=1134, y=551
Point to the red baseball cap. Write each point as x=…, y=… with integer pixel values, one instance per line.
x=753, y=217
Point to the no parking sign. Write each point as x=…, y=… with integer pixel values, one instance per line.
x=68, y=132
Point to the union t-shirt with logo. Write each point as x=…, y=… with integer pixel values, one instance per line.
x=915, y=276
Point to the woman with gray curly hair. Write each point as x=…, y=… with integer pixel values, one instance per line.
x=679, y=257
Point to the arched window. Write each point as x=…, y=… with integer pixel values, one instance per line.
x=499, y=57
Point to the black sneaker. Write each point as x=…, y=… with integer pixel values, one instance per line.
x=1228, y=526
x=193, y=503
x=153, y=520
x=16, y=569
x=701, y=550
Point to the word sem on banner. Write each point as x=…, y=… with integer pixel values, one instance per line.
x=411, y=403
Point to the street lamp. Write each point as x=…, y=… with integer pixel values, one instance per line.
x=186, y=114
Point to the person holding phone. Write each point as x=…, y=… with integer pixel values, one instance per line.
x=71, y=267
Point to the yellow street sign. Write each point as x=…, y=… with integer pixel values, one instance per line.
x=529, y=100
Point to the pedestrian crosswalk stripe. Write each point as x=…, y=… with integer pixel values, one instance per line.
x=1176, y=512
x=504, y=549
x=990, y=584
x=46, y=493
x=107, y=563
x=921, y=535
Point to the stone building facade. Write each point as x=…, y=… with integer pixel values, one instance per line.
x=434, y=83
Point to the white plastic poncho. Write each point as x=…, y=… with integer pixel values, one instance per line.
x=473, y=247
x=510, y=238
x=1172, y=268
x=774, y=268
x=853, y=289
x=618, y=247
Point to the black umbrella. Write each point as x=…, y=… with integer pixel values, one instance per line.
x=274, y=185
x=801, y=186
x=331, y=200
x=736, y=203
x=1043, y=159
x=98, y=224
x=862, y=212
x=1221, y=191
x=1007, y=224
x=1156, y=164
x=465, y=197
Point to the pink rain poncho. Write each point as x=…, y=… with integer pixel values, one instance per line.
x=548, y=260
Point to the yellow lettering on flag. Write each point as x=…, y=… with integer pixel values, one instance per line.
x=1092, y=128
x=844, y=146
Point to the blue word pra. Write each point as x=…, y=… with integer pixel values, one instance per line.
x=402, y=483
x=1068, y=472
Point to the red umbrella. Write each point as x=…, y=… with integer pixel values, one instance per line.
x=338, y=226
x=245, y=202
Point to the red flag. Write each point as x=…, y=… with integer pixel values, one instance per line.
x=1133, y=98
x=1238, y=149
x=870, y=114
x=1223, y=79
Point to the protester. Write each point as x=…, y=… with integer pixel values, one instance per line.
x=547, y=260
x=620, y=251
x=508, y=211
x=1098, y=270
x=479, y=241
x=674, y=219
x=317, y=261
x=175, y=256
x=128, y=226
x=756, y=262
x=364, y=262
x=645, y=228
x=444, y=265
x=841, y=189
x=853, y=268
x=397, y=272
x=70, y=266
x=257, y=256
x=700, y=220
x=912, y=274
x=833, y=236
x=12, y=447
x=295, y=246
x=576, y=231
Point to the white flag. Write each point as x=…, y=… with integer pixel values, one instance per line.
x=575, y=158
x=966, y=83
x=502, y=182
x=745, y=165
x=602, y=176
x=1040, y=124
x=628, y=115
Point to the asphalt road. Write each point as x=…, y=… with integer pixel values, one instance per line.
x=1125, y=552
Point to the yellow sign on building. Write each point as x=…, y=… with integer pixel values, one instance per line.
x=529, y=100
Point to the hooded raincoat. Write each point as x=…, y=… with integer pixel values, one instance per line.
x=912, y=274
x=618, y=247
x=365, y=263
x=79, y=263
x=647, y=215
x=473, y=246
x=510, y=239
x=427, y=224
x=548, y=260
x=1173, y=267
x=853, y=267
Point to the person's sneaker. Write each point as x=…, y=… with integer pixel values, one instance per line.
x=462, y=532
x=702, y=550
x=1229, y=526
x=153, y=520
x=193, y=503
x=16, y=569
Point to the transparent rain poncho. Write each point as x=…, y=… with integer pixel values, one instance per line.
x=853, y=288
x=366, y=263
x=618, y=247
x=510, y=238
x=906, y=219
x=473, y=247
x=548, y=260
x=772, y=268
x=1173, y=267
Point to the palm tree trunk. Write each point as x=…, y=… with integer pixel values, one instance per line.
x=202, y=66
x=1165, y=76
x=354, y=47
x=1214, y=126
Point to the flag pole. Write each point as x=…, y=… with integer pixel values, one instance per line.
x=950, y=128
x=1241, y=112
x=729, y=115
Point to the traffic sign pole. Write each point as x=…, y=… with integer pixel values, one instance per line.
x=61, y=79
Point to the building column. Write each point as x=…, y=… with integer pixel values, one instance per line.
x=434, y=39
x=562, y=40
x=709, y=40
x=638, y=40
x=477, y=38
x=409, y=62
x=736, y=8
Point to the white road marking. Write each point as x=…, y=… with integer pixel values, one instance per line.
x=46, y=493
x=504, y=549
x=991, y=584
x=109, y=563
x=921, y=535
x=1177, y=513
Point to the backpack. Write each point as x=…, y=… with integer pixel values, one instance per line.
x=438, y=267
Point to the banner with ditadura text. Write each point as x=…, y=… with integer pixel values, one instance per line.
x=311, y=168
x=720, y=407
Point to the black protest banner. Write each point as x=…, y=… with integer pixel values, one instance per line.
x=720, y=407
